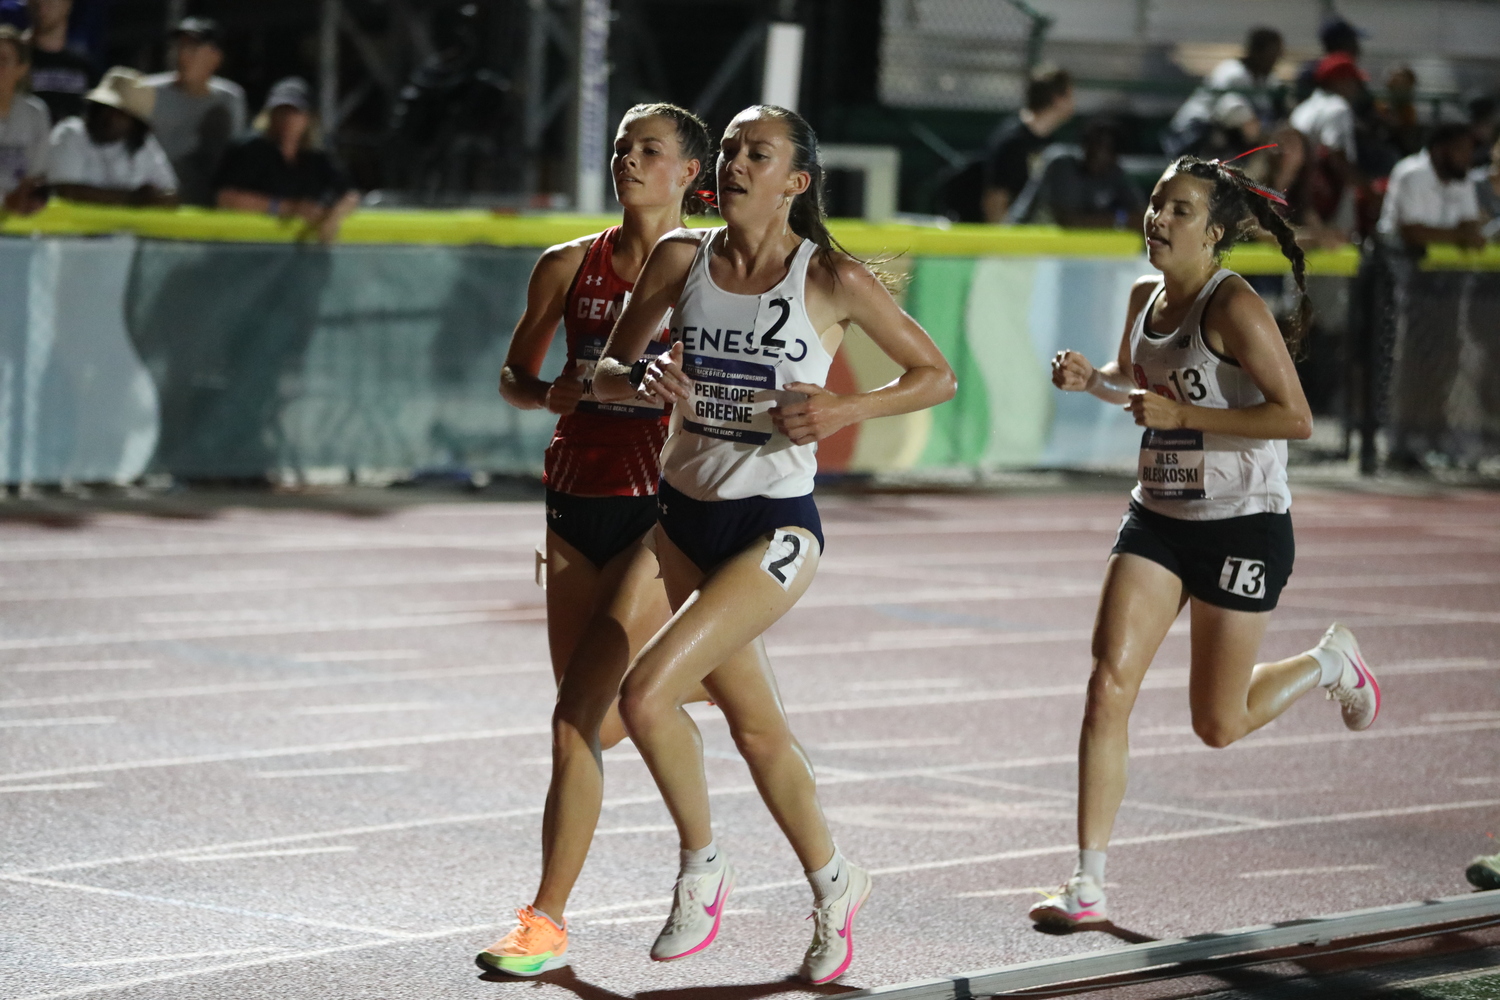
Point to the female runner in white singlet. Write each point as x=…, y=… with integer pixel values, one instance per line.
x=759, y=308
x=603, y=596
x=1204, y=369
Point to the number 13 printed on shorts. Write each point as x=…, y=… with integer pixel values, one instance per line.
x=1245, y=577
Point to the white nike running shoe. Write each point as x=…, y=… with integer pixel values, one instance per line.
x=1078, y=901
x=697, y=911
x=832, y=947
x=1356, y=690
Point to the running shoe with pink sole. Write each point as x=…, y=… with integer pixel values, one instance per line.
x=1078, y=901
x=832, y=949
x=697, y=913
x=1356, y=690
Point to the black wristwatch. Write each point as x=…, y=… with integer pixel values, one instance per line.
x=638, y=372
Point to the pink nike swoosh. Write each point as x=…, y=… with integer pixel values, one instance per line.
x=713, y=911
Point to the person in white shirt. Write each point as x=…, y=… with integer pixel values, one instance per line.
x=197, y=114
x=110, y=156
x=24, y=125
x=1430, y=198
x=1326, y=119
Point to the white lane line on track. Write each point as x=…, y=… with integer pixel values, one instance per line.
x=1160, y=679
x=893, y=744
x=375, y=624
x=1014, y=786
x=73, y=666
x=1325, y=870
x=104, y=963
x=367, y=708
x=271, y=545
x=196, y=587
x=924, y=772
x=62, y=720
x=332, y=772
x=908, y=684
x=236, y=911
x=1056, y=849
x=1460, y=716
x=290, y=852
x=60, y=786
x=1257, y=793
x=1017, y=891
x=1455, y=616
x=288, y=684
x=659, y=828
x=1487, y=779
x=357, y=656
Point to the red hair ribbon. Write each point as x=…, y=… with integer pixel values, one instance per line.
x=1250, y=185
x=709, y=198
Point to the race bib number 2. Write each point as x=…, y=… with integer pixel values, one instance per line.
x=784, y=557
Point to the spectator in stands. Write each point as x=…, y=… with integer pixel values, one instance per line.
x=1484, y=120
x=1430, y=198
x=1241, y=105
x=24, y=128
x=1091, y=191
x=1487, y=192
x=280, y=171
x=1007, y=161
x=1397, y=112
x=59, y=76
x=109, y=155
x=1337, y=36
x=1326, y=120
x=197, y=113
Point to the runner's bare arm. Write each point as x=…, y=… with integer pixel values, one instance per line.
x=1239, y=320
x=656, y=291
x=927, y=380
x=1072, y=372
x=546, y=296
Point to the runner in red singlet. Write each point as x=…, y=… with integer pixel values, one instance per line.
x=604, y=598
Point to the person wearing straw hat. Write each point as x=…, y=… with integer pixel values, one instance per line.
x=109, y=156
x=24, y=128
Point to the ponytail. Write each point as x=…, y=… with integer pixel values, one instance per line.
x=1240, y=207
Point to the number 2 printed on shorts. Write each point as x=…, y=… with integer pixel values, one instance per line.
x=784, y=557
x=1243, y=577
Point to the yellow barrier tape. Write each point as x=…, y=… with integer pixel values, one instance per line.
x=470, y=227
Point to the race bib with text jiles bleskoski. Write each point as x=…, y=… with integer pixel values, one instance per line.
x=1172, y=465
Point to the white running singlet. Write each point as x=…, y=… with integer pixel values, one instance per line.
x=739, y=351
x=1190, y=474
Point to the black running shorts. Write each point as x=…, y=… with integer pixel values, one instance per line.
x=600, y=527
x=710, y=531
x=1240, y=563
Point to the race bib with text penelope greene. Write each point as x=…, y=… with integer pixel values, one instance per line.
x=731, y=399
x=589, y=352
x=1172, y=465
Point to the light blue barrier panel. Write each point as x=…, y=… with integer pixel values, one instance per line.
x=77, y=404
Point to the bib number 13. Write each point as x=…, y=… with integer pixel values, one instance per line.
x=1189, y=384
x=1243, y=577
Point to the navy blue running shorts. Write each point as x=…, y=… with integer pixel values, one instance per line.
x=1240, y=563
x=710, y=531
x=600, y=527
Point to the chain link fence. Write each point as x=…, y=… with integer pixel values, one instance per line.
x=971, y=55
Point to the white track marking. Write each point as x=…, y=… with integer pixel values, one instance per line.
x=62, y=786
x=104, y=963
x=1419, y=612
x=1165, y=731
x=894, y=744
x=332, y=772
x=64, y=720
x=245, y=584
x=1257, y=793
x=1485, y=780
x=236, y=911
x=1017, y=891
x=271, y=545
x=428, y=739
x=364, y=708
x=928, y=772
x=1057, y=849
x=1460, y=716
x=288, y=684
x=908, y=684
x=1326, y=870
x=660, y=828
x=656, y=918
x=72, y=666
x=379, y=623
x=358, y=656
x=969, y=779
x=290, y=852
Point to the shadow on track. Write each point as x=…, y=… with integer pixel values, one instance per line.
x=1107, y=927
x=565, y=978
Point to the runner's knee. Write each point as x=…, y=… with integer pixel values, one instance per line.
x=759, y=743
x=1110, y=692
x=1217, y=731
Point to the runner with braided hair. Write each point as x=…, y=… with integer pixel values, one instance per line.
x=1204, y=369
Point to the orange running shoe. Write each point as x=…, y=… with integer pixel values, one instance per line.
x=535, y=946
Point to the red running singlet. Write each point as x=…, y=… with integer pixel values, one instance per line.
x=604, y=449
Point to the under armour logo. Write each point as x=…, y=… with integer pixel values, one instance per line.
x=593, y=279
x=553, y=514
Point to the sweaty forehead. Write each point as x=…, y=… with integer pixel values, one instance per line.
x=756, y=129
x=648, y=127
x=1178, y=186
